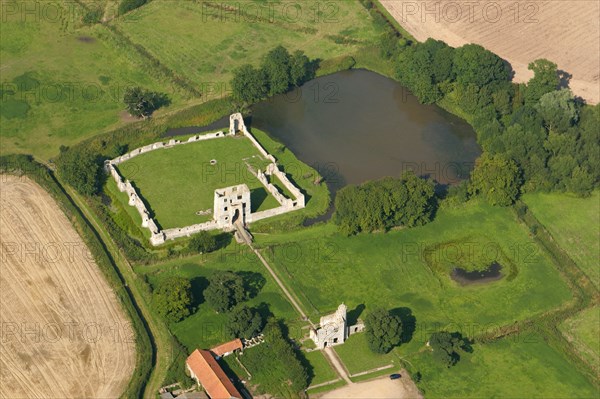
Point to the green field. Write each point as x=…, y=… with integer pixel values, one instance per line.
x=392, y=270
x=583, y=330
x=575, y=225
x=212, y=42
x=519, y=367
x=61, y=83
x=205, y=328
x=177, y=182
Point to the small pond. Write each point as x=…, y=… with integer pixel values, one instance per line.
x=463, y=277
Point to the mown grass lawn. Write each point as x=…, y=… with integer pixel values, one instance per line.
x=177, y=182
x=391, y=270
x=575, y=225
x=521, y=367
x=357, y=356
x=319, y=369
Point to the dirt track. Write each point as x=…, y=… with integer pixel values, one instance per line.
x=64, y=334
x=565, y=32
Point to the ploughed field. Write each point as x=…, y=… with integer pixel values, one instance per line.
x=565, y=32
x=65, y=334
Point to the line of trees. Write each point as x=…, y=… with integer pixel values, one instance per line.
x=278, y=72
x=547, y=138
x=382, y=204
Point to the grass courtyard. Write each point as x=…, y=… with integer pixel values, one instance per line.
x=178, y=182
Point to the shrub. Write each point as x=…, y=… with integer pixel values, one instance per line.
x=203, y=242
x=172, y=298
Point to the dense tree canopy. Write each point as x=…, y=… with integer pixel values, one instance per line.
x=384, y=203
x=383, y=330
x=279, y=71
x=545, y=80
x=224, y=291
x=275, y=366
x=172, y=298
x=244, y=322
x=496, y=179
x=475, y=65
x=81, y=170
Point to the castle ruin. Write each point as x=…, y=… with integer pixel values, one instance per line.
x=333, y=329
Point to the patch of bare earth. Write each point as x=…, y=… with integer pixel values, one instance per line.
x=565, y=32
x=64, y=333
x=381, y=388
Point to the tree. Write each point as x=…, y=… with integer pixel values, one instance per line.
x=142, y=103
x=545, y=80
x=81, y=169
x=300, y=68
x=172, y=298
x=244, y=322
x=203, y=242
x=581, y=182
x=446, y=347
x=277, y=69
x=383, y=330
x=224, y=291
x=249, y=84
x=495, y=179
x=476, y=65
x=558, y=109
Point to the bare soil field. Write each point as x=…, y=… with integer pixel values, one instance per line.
x=64, y=333
x=381, y=388
x=565, y=32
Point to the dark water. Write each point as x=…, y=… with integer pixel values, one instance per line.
x=492, y=273
x=221, y=124
x=356, y=125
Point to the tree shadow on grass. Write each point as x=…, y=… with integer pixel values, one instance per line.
x=409, y=323
x=199, y=284
x=253, y=283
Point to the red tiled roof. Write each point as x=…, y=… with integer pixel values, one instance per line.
x=227, y=347
x=211, y=376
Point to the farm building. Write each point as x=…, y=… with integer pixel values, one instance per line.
x=206, y=371
x=227, y=348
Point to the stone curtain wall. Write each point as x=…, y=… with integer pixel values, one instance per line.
x=235, y=121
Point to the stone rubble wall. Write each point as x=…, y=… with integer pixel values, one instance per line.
x=160, y=236
x=169, y=144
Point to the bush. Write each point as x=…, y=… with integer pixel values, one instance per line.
x=172, y=298
x=446, y=347
x=142, y=103
x=203, y=242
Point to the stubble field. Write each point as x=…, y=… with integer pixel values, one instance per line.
x=64, y=333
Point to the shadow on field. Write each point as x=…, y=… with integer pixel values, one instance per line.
x=199, y=284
